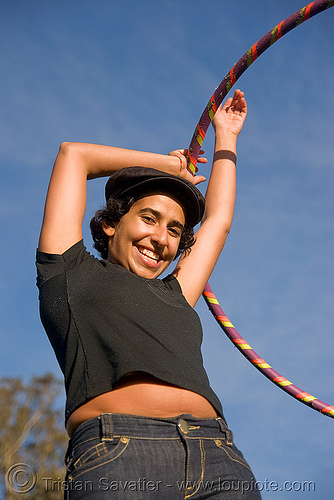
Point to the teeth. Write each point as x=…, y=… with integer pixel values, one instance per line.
x=149, y=253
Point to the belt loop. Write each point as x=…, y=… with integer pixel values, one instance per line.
x=222, y=424
x=229, y=437
x=106, y=427
x=228, y=433
x=67, y=457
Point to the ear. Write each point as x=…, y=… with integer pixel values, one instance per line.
x=108, y=230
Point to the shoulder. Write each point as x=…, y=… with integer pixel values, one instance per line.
x=50, y=265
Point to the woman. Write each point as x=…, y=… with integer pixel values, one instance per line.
x=141, y=415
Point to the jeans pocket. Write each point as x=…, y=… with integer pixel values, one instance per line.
x=96, y=456
x=232, y=453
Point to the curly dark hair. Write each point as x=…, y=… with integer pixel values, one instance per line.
x=113, y=212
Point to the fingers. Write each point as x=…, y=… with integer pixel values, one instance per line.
x=226, y=105
x=235, y=105
x=178, y=152
x=201, y=159
x=238, y=101
x=198, y=179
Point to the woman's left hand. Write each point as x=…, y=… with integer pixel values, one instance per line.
x=231, y=116
x=183, y=170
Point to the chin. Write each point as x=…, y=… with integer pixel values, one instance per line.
x=150, y=273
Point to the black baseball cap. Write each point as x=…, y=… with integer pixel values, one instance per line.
x=132, y=181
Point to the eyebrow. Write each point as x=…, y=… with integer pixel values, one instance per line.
x=157, y=214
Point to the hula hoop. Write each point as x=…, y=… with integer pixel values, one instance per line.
x=196, y=143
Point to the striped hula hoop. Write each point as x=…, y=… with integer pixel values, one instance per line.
x=195, y=146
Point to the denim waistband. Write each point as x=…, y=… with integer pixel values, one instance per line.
x=109, y=425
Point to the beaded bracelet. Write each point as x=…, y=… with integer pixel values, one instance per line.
x=180, y=166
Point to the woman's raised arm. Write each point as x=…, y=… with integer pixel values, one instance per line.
x=194, y=269
x=66, y=197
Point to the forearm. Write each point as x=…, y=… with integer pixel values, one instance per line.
x=228, y=122
x=220, y=194
x=99, y=161
x=220, y=198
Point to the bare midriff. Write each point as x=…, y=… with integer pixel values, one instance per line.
x=142, y=394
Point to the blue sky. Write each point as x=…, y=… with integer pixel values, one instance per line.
x=138, y=75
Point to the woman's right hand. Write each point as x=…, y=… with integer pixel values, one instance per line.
x=183, y=171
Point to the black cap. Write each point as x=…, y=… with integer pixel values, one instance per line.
x=137, y=180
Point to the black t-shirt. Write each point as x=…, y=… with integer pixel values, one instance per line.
x=104, y=321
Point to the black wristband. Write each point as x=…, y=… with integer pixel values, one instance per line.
x=225, y=154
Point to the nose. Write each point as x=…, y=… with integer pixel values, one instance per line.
x=160, y=235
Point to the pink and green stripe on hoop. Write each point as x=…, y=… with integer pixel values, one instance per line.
x=242, y=345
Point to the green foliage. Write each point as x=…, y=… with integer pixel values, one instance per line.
x=31, y=434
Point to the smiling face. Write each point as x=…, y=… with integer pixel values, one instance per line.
x=146, y=239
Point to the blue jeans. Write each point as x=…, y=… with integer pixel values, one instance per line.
x=117, y=456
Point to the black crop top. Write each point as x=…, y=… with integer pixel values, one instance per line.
x=104, y=321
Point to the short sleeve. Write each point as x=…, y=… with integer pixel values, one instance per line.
x=172, y=283
x=52, y=265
